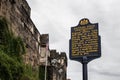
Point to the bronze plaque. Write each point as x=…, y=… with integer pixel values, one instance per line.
x=84, y=39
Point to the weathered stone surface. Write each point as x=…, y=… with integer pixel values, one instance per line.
x=17, y=12
x=59, y=62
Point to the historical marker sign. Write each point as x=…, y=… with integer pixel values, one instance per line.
x=85, y=40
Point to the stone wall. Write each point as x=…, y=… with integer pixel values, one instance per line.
x=44, y=50
x=17, y=12
x=59, y=64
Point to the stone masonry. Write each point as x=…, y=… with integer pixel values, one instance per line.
x=17, y=13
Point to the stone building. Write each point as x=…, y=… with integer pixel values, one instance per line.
x=17, y=13
x=44, y=50
x=59, y=65
x=52, y=62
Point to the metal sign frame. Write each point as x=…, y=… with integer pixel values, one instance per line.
x=84, y=25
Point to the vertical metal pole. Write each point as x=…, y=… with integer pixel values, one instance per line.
x=85, y=75
x=46, y=67
x=84, y=66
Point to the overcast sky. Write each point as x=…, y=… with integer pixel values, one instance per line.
x=56, y=17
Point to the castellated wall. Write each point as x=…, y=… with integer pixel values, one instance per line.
x=17, y=12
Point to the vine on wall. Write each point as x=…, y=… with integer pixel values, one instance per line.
x=11, y=50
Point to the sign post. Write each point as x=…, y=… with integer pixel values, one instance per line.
x=85, y=43
x=84, y=66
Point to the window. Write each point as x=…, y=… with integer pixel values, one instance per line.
x=12, y=1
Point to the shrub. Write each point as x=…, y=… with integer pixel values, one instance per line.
x=10, y=69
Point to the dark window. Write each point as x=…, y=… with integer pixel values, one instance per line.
x=12, y=1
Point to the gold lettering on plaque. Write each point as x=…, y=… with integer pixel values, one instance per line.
x=84, y=40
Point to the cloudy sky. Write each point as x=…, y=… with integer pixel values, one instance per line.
x=56, y=17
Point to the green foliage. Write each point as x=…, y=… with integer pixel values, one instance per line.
x=30, y=73
x=11, y=45
x=11, y=50
x=9, y=68
x=42, y=72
